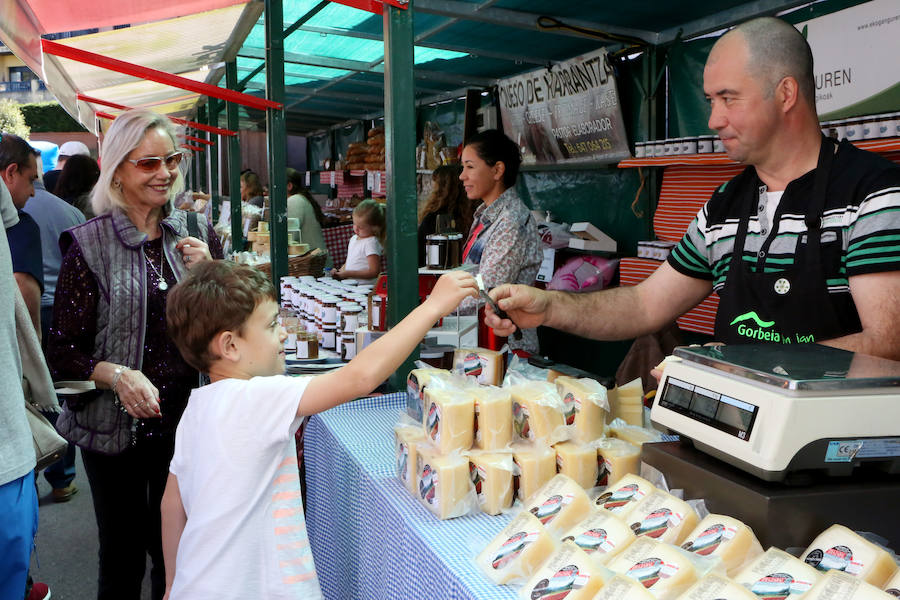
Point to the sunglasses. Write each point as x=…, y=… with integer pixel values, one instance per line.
x=151, y=163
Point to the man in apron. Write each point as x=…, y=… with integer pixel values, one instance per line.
x=816, y=223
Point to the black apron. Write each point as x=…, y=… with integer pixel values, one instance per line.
x=791, y=306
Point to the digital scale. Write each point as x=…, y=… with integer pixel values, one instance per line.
x=780, y=411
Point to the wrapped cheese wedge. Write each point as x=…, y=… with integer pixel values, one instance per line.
x=666, y=571
x=624, y=493
x=559, y=505
x=568, y=573
x=892, y=587
x=416, y=382
x=602, y=535
x=777, y=574
x=443, y=484
x=487, y=366
x=493, y=417
x=724, y=538
x=615, y=459
x=628, y=404
x=517, y=551
x=717, y=587
x=538, y=413
x=578, y=461
x=407, y=441
x=839, y=585
x=633, y=434
x=492, y=476
x=586, y=406
x=842, y=549
x=449, y=419
x=535, y=465
x=622, y=587
x=663, y=517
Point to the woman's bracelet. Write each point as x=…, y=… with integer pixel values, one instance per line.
x=115, y=381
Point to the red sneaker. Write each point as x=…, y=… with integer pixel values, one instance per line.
x=39, y=591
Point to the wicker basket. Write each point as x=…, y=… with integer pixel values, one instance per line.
x=311, y=263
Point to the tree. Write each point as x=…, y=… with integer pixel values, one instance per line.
x=12, y=120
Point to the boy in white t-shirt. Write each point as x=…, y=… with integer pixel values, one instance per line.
x=232, y=514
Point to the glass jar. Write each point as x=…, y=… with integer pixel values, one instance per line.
x=436, y=251
x=291, y=327
x=348, y=346
x=375, y=313
x=454, y=250
x=307, y=345
x=350, y=318
x=328, y=337
x=329, y=311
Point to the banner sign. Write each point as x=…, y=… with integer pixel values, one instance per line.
x=568, y=113
x=855, y=53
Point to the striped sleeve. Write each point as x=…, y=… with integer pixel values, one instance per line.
x=691, y=256
x=874, y=234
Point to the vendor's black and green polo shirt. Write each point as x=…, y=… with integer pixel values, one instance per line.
x=860, y=225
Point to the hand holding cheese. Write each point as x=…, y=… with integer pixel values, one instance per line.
x=777, y=574
x=568, y=573
x=517, y=550
x=844, y=550
x=602, y=535
x=559, y=504
x=663, y=517
x=724, y=538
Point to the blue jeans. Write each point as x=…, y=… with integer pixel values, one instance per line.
x=18, y=526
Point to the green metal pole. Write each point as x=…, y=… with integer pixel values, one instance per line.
x=277, y=141
x=400, y=157
x=201, y=156
x=234, y=161
x=214, y=107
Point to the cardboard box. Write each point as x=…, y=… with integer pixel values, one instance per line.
x=590, y=238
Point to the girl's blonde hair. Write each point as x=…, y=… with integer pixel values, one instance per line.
x=372, y=214
x=125, y=134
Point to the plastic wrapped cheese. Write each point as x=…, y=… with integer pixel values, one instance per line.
x=839, y=585
x=492, y=476
x=615, y=459
x=602, y=535
x=578, y=461
x=663, y=569
x=517, y=551
x=622, y=587
x=416, y=383
x=663, y=517
x=485, y=365
x=624, y=493
x=443, y=484
x=538, y=413
x=628, y=403
x=586, y=406
x=406, y=444
x=534, y=466
x=724, y=538
x=559, y=504
x=568, y=573
x=493, y=418
x=449, y=419
x=633, y=434
x=892, y=587
x=777, y=574
x=845, y=550
x=717, y=587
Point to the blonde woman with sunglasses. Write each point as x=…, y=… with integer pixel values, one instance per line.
x=109, y=327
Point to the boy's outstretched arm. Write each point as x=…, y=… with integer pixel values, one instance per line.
x=173, y=521
x=381, y=358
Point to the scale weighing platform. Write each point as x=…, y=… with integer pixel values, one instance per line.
x=789, y=439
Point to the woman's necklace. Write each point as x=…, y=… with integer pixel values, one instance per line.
x=162, y=285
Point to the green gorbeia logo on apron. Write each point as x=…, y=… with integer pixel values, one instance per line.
x=750, y=326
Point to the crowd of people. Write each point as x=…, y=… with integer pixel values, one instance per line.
x=182, y=347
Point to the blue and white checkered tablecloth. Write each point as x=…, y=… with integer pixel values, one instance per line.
x=370, y=538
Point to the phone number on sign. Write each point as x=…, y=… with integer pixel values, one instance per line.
x=587, y=146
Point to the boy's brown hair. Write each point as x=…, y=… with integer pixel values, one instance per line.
x=216, y=296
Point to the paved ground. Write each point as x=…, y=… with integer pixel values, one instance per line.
x=66, y=553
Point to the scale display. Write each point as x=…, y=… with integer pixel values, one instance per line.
x=733, y=416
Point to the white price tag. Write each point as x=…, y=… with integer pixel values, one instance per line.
x=370, y=179
x=332, y=178
x=545, y=272
x=377, y=189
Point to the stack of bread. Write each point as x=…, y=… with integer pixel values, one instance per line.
x=357, y=153
x=374, y=159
